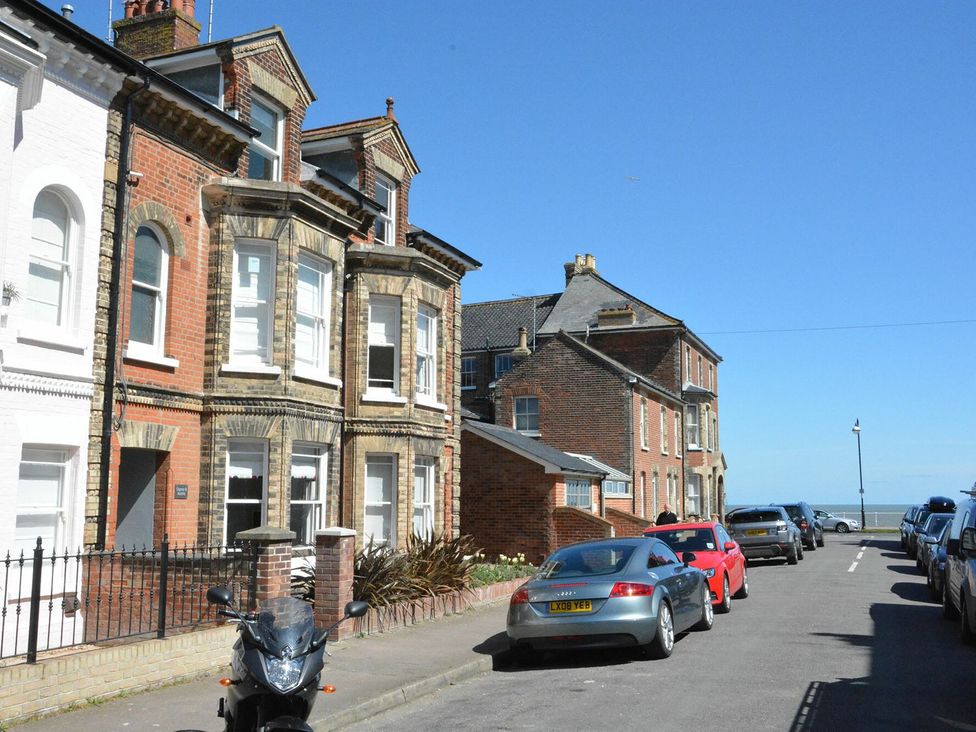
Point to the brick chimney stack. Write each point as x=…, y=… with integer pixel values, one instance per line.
x=522, y=349
x=154, y=27
x=582, y=264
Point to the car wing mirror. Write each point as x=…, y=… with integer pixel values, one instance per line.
x=688, y=557
x=729, y=546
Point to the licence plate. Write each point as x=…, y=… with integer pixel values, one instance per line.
x=755, y=532
x=571, y=606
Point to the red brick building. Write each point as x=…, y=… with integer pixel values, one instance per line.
x=608, y=376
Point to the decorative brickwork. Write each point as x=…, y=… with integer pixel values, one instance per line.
x=335, y=556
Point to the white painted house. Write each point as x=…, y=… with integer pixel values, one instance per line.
x=54, y=103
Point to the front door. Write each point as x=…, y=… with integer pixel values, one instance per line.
x=137, y=498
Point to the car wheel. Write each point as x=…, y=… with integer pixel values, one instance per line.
x=726, y=605
x=949, y=611
x=842, y=528
x=743, y=592
x=792, y=558
x=799, y=550
x=820, y=540
x=965, y=629
x=663, y=641
x=708, y=612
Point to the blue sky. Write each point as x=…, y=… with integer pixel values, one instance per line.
x=759, y=166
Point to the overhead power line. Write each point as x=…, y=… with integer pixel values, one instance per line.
x=838, y=327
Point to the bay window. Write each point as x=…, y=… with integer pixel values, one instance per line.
x=383, y=372
x=245, y=495
x=380, y=502
x=693, y=497
x=308, y=476
x=312, y=314
x=423, y=497
x=252, y=307
x=692, y=435
x=426, y=354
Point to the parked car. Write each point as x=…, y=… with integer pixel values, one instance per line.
x=941, y=504
x=810, y=526
x=960, y=568
x=911, y=537
x=927, y=535
x=764, y=532
x=935, y=574
x=716, y=554
x=610, y=592
x=841, y=525
x=908, y=523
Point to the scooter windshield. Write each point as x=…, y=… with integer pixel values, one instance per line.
x=285, y=622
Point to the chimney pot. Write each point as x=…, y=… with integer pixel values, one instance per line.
x=389, y=108
x=522, y=350
x=67, y=11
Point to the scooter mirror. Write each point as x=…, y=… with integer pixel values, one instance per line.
x=356, y=609
x=220, y=596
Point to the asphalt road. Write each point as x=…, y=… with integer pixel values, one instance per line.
x=846, y=639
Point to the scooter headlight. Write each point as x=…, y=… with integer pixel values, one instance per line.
x=284, y=673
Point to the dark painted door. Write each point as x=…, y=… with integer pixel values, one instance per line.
x=137, y=498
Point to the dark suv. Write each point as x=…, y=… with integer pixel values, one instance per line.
x=959, y=587
x=810, y=527
x=764, y=532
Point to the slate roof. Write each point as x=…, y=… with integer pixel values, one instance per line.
x=533, y=449
x=495, y=324
x=612, y=473
x=586, y=295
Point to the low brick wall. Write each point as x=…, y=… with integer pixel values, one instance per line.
x=627, y=524
x=384, y=619
x=573, y=524
x=55, y=683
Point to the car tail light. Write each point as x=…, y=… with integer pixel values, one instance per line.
x=631, y=589
x=521, y=597
x=804, y=525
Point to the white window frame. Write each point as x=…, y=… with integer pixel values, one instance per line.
x=388, y=506
x=156, y=348
x=655, y=486
x=664, y=430
x=677, y=433
x=247, y=247
x=616, y=488
x=426, y=360
x=63, y=265
x=378, y=303
x=713, y=434
x=275, y=153
x=643, y=423
x=48, y=456
x=693, y=495
x=424, y=470
x=189, y=62
x=692, y=427
x=701, y=379
x=521, y=410
x=574, y=493
x=320, y=458
x=315, y=364
x=386, y=219
x=248, y=447
x=472, y=372
x=672, y=489
x=711, y=376
x=688, y=373
x=503, y=357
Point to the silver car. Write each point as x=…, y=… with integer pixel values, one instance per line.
x=610, y=592
x=764, y=532
x=837, y=523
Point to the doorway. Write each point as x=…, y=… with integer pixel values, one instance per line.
x=137, y=497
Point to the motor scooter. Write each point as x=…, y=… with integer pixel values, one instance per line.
x=276, y=664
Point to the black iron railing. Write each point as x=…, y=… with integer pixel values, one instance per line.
x=62, y=599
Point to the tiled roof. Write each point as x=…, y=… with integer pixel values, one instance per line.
x=345, y=128
x=586, y=295
x=496, y=322
x=533, y=449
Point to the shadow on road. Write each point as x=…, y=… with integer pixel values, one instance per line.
x=913, y=652
x=904, y=569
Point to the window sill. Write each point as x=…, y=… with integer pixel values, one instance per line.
x=48, y=337
x=468, y=388
x=614, y=496
x=694, y=448
x=530, y=433
x=431, y=405
x=307, y=375
x=249, y=368
x=382, y=399
x=153, y=359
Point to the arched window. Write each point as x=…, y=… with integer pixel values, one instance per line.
x=147, y=319
x=49, y=273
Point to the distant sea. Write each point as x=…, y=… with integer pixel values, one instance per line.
x=876, y=514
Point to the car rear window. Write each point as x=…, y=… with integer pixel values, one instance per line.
x=749, y=517
x=587, y=561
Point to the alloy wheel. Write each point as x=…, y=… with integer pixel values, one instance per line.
x=666, y=627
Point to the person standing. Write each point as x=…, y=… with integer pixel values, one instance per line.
x=667, y=516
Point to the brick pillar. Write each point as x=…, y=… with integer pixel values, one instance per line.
x=335, y=556
x=273, y=557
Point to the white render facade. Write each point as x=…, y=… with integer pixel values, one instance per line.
x=53, y=121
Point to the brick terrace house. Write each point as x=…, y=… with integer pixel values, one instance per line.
x=283, y=331
x=610, y=376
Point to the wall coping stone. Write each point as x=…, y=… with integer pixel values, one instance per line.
x=271, y=534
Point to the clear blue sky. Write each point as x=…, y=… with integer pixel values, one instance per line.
x=742, y=166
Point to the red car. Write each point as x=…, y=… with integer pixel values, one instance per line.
x=716, y=554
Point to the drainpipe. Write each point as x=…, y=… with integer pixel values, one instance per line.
x=112, y=336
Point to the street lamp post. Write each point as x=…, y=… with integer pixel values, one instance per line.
x=860, y=473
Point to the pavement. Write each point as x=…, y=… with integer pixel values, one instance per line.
x=372, y=675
